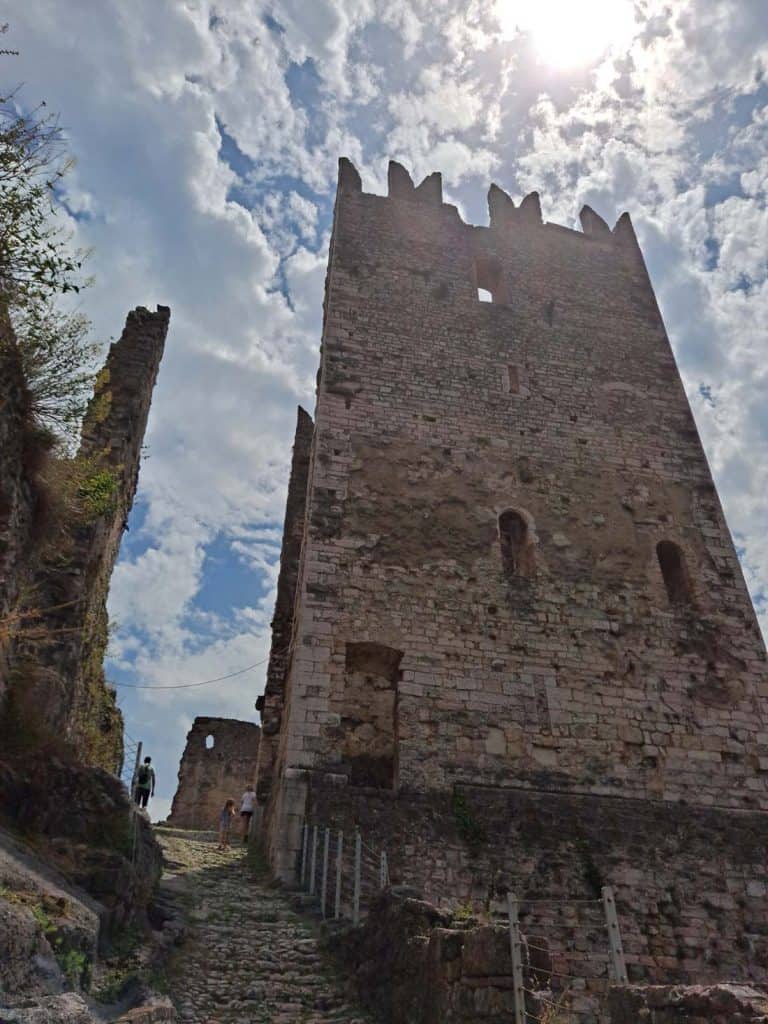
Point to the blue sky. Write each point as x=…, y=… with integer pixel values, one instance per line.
x=206, y=137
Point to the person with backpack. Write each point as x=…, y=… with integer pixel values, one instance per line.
x=145, y=783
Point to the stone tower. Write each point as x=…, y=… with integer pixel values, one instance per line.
x=218, y=762
x=516, y=583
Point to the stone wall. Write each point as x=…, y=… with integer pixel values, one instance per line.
x=691, y=884
x=271, y=703
x=510, y=501
x=414, y=964
x=218, y=763
x=55, y=668
x=716, y=1004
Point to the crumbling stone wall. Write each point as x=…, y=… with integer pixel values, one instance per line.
x=601, y=640
x=415, y=964
x=716, y=1004
x=691, y=884
x=271, y=702
x=218, y=763
x=55, y=670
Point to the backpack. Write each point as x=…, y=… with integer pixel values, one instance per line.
x=144, y=776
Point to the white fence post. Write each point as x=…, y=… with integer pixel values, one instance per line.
x=339, y=856
x=313, y=862
x=324, y=878
x=304, y=851
x=356, y=889
x=516, y=949
x=614, y=937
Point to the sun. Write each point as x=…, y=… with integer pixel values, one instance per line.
x=569, y=33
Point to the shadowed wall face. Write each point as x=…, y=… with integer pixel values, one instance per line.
x=218, y=764
x=513, y=495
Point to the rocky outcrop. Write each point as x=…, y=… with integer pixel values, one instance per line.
x=218, y=763
x=84, y=824
x=57, y=685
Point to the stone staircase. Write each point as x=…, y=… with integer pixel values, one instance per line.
x=249, y=956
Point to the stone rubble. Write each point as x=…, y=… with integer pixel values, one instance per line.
x=248, y=957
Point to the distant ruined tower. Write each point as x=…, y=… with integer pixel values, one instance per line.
x=516, y=583
x=218, y=763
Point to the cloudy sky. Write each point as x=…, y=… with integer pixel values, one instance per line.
x=206, y=137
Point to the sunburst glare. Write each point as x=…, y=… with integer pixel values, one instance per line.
x=567, y=34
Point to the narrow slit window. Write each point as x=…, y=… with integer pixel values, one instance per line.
x=209, y=742
x=517, y=549
x=512, y=380
x=674, y=572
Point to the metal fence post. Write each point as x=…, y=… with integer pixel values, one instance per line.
x=619, y=967
x=339, y=856
x=304, y=851
x=516, y=949
x=324, y=878
x=313, y=862
x=356, y=889
x=383, y=870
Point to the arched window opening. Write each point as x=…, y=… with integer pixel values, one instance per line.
x=489, y=280
x=209, y=742
x=517, y=550
x=674, y=572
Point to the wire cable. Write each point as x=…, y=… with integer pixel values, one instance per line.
x=186, y=686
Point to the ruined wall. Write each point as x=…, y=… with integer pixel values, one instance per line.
x=270, y=704
x=513, y=496
x=55, y=669
x=691, y=884
x=210, y=775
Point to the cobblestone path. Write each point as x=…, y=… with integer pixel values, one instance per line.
x=248, y=957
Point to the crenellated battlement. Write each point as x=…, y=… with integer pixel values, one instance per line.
x=503, y=214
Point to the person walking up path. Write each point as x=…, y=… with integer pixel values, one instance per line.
x=249, y=957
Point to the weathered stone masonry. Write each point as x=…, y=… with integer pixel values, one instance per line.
x=58, y=672
x=218, y=762
x=515, y=571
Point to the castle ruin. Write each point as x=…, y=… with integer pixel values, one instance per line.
x=218, y=763
x=56, y=563
x=516, y=602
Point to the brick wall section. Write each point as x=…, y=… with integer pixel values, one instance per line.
x=210, y=777
x=271, y=703
x=435, y=414
x=61, y=675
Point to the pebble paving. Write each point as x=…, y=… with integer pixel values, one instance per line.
x=248, y=956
